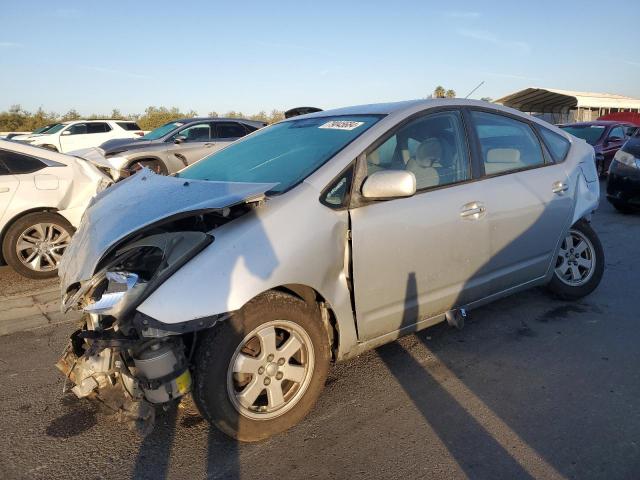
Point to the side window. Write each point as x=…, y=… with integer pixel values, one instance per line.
x=98, y=127
x=506, y=144
x=432, y=147
x=78, y=129
x=336, y=195
x=229, y=130
x=19, y=164
x=617, y=132
x=200, y=132
x=556, y=144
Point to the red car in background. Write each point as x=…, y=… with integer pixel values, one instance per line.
x=606, y=137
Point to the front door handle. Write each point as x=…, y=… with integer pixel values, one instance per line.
x=559, y=187
x=208, y=145
x=473, y=211
x=4, y=190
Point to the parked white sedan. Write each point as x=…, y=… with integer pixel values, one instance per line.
x=43, y=195
x=68, y=136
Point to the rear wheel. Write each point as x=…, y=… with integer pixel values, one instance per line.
x=34, y=244
x=155, y=166
x=579, y=264
x=260, y=372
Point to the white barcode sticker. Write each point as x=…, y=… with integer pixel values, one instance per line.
x=341, y=125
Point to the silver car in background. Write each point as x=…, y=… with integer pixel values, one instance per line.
x=244, y=276
x=170, y=147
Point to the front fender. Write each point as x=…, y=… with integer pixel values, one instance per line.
x=291, y=240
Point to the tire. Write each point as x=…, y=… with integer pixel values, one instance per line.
x=622, y=207
x=574, y=256
x=154, y=165
x=51, y=231
x=216, y=392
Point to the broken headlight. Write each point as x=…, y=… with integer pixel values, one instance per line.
x=134, y=271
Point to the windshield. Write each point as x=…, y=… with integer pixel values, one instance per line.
x=590, y=133
x=56, y=128
x=43, y=129
x=161, y=131
x=285, y=153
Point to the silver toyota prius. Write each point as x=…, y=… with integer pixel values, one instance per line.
x=241, y=278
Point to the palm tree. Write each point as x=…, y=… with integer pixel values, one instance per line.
x=450, y=93
x=439, y=92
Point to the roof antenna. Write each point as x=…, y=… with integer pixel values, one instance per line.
x=479, y=85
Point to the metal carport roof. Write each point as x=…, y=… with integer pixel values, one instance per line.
x=554, y=100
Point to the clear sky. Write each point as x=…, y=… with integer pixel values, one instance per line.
x=257, y=55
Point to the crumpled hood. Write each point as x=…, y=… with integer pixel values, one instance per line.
x=93, y=155
x=140, y=201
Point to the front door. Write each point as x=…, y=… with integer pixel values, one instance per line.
x=417, y=257
x=193, y=143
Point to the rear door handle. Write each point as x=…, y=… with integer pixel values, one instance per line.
x=559, y=187
x=473, y=211
x=4, y=190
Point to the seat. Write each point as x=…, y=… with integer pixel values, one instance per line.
x=502, y=159
x=423, y=165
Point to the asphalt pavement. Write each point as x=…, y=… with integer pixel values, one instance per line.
x=532, y=387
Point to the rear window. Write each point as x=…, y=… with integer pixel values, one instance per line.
x=18, y=163
x=557, y=145
x=128, y=126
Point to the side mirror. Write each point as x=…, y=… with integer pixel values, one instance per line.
x=180, y=139
x=389, y=184
x=66, y=132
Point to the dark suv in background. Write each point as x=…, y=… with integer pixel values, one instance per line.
x=606, y=137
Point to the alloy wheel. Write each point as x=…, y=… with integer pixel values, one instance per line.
x=40, y=247
x=270, y=370
x=576, y=260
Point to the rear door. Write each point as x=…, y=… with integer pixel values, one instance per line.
x=612, y=143
x=526, y=197
x=228, y=132
x=417, y=257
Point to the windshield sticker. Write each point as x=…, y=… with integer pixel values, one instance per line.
x=341, y=125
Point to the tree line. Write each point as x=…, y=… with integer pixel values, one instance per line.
x=17, y=119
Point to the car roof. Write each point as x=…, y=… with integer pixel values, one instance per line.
x=40, y=152
x=218, y=119
x=404, y=107
x=596, y=123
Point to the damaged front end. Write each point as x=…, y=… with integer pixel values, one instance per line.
x=125, y=360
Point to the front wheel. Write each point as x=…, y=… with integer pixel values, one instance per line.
x=579, y=264
x=156, y=166
x=261, y=371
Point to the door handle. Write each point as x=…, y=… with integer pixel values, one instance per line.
x=559, y=187
x=473, y=211
x=4, y=190
x=209, y=145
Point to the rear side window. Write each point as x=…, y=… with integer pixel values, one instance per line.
x=507, y=144
x=98, y=127
x=129, y=126
x=557, y=145
x=230, y=130
x=19, y=164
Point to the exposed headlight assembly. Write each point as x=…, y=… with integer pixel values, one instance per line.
x=627, y=159
x=134, y=271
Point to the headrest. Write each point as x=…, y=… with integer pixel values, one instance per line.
x=429, y=151
x=503, y=155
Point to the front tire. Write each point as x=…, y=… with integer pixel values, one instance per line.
x=34, y=244
x=579, y=264
x=261, y=371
